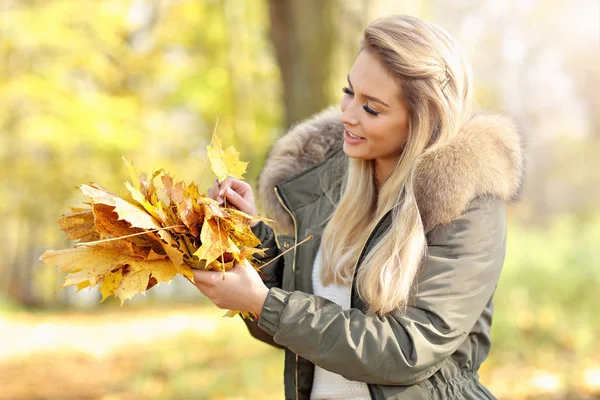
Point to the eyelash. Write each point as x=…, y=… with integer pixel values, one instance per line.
x=365, y=106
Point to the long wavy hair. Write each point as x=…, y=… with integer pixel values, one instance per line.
x=435, y=81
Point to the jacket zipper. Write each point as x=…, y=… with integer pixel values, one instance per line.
x=371, y=387
x=293, y=263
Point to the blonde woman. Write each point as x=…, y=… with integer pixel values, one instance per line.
x=405, y=192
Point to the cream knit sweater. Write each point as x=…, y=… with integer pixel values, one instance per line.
x=327, y=384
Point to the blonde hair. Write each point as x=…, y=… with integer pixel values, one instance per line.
x=435, y=79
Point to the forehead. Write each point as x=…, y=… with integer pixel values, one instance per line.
x=369, y=77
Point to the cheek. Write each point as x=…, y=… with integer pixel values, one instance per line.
x=345, y=103
x=377, y=130
x=390, y=136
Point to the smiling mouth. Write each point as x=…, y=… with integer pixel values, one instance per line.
x=353, y=136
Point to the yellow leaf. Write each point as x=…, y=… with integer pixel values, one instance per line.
x=247, y=252
x=187, y=272
x=94, y=265
x=216, y=265
x=245, y=314
x=141, y=199
x=164, y=274
x=174, y=253
x=155, y=256
x=137, y=217
x=108, y=226
x=215, y=242
x=135, y=180
x=73, y=260
x=235, y=167
x=225, y=163
x=132, y=284
x=79, y=225
x=110, y=283
x=82, y=285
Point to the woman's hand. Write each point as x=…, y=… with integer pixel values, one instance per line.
x=242, y=289
x=237, y=192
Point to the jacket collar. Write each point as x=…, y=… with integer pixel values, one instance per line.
x=486, y=158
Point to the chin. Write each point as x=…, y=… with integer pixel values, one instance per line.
x=353, y=153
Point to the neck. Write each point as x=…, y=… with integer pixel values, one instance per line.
x=383, y=170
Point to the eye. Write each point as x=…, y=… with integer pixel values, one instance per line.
x=365, y=106
x=370, y=110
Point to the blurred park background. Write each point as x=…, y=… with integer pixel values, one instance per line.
x=83, y=83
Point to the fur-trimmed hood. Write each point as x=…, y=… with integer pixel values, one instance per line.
x=486, y=158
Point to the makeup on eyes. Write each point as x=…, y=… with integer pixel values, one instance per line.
x=366, y=107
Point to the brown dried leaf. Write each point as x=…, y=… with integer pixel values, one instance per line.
x=79, y=225
x=89, y=266
x=189, y=216
x=215, y=242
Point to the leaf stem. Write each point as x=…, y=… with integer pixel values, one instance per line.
x=126, y=236
x=293, y=247
x=221, y=244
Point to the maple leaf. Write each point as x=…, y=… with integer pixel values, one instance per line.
x=110, y=283
x=143, y=190
x=88, y=266
x=238, y=228
x=215, y=242
x=79, y=225
x=136, y=216
x=189, y=216
x=107, y=225
x=132, y=284
x=225, y=163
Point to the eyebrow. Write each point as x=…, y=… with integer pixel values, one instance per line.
x=366, y=96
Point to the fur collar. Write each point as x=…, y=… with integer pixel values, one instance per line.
x=486, y=158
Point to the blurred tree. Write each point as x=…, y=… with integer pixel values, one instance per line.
x=304, y=35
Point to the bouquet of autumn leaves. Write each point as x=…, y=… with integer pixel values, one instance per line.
x=158, y=229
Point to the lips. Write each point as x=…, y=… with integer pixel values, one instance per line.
x=352, y=135
x=352, y=140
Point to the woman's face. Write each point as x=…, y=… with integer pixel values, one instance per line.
x=373, y=137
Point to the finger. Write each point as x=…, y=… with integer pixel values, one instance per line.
x=206, y=277
x=222, y=189
x=241, y=187
x=235, y=199
x=224, y=185
x=213, y=190
x=237, y=184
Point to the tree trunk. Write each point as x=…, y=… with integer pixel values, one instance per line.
x=304, y=34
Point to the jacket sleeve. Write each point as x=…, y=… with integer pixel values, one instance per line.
x=272, y=275
x=462, y=268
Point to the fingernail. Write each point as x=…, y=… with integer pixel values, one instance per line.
x=230, y=190
x=219, y=200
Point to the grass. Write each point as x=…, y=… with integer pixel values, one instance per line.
x=187, y=352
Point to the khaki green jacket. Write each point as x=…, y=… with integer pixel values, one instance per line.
x=434, y=349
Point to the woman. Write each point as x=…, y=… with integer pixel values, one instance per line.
x=405, y=193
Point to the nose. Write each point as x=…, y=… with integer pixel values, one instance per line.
x=348, y=116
